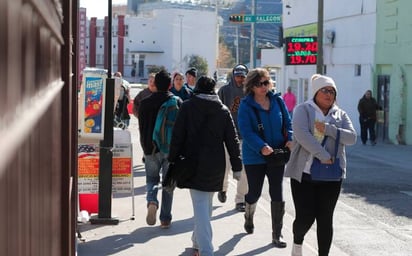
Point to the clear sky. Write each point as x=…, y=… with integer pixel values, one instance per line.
x=98, y=8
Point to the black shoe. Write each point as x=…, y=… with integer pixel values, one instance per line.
x=222, y=196
x=240, y=207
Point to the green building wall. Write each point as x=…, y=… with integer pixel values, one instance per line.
x=393, y=57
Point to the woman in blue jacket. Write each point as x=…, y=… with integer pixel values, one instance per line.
x=261, y=102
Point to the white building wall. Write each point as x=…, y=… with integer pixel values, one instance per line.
x=354, y=23
x=156, y=35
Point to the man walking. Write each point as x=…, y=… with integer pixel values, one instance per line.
x=231, y=94
x=155, y=161
x=367, y=107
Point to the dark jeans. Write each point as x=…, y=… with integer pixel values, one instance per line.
x=314, y=201
x=255, y=178
x=367, y=125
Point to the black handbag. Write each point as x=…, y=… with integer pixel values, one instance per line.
x=279, y=156
x=327, y=172
x=178, y=172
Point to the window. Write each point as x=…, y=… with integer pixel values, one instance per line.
x=358, y=70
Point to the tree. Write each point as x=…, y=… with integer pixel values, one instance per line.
x=225, y=58
x=199, y=63
x=155, y=68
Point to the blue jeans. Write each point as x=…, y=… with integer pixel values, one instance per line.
x=202, y=231
x=156, y=164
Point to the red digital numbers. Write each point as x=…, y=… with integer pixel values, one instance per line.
x=301, y=50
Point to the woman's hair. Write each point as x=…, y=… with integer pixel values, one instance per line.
x=253, y=78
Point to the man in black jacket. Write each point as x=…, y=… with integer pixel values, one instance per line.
x=202, y=129
x=367, y=107
x=155, y=161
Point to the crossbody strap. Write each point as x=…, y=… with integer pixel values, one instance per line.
x=260, y=124
x=336, y=142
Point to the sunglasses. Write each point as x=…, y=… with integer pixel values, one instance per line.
x=327, y=91
x=264, y=83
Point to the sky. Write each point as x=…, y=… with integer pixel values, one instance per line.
x=98, y=8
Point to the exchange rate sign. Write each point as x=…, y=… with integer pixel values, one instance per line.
x=301, y=50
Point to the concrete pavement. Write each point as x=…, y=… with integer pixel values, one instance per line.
x=135, y=237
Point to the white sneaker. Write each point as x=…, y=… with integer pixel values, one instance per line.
x=151, y=214
x=296, y=250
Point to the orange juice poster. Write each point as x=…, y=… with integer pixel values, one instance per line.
x=92, y=103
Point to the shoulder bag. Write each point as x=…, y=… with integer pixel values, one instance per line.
x=327, y=172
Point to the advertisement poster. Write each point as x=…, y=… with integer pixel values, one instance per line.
x=92, y=104
x=88, y=168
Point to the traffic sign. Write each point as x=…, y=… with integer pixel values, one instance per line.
x=262, y=18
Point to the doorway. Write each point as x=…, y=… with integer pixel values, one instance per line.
x=382, y=128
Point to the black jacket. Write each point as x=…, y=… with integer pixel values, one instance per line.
x=147, y=113
x=203, y=126
x=367, y=108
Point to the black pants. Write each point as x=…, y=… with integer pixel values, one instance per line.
x=255, y=178
x=314, y=201
x=366, y=126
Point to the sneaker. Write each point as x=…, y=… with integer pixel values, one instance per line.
x=222, y=196
x=151, y=214
x=165, y=224
x=240, y=207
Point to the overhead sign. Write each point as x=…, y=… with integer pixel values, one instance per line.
x=301, y=50
x=262, y=18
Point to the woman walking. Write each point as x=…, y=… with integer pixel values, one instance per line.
x=317, y=122
x=263, y=118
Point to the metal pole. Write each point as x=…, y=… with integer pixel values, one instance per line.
x=181, y=42
x=237, y=44
x=106, y=145
x=319, y=63
x=252, y=37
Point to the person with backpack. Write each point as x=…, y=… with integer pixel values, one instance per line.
x=202, y=129
x=156, y=163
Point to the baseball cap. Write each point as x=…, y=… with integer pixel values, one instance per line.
x=240, y=70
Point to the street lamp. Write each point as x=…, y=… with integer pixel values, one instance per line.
x=181, y=41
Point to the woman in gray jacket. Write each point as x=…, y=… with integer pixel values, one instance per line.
x=312, y=121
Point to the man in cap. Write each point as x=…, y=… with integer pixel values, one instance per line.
x=231, y=94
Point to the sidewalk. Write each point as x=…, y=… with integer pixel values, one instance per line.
x=135, y=237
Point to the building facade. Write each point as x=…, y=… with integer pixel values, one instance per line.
x=366, y=46
x=160, y=35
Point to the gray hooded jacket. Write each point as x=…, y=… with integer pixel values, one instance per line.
x=305, y=144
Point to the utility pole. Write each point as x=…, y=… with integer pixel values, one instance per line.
x=252, y=37
x=319, y=63
x=181, y=42
x=237, y=43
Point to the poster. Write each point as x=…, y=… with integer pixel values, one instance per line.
x=88, y=165
x=92, y=103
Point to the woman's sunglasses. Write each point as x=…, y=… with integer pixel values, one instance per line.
x=264, y=83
